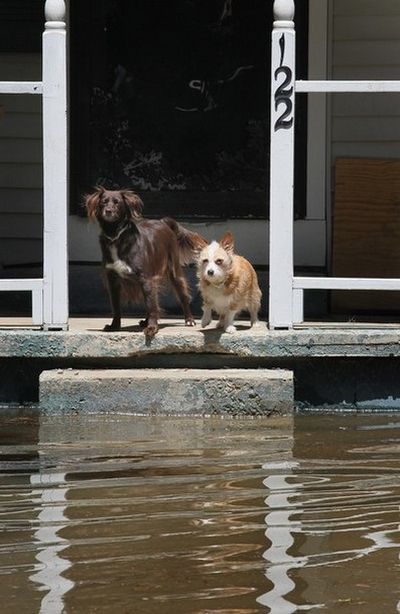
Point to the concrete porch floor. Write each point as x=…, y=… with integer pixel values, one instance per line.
x=345, y=366
x=85, y=339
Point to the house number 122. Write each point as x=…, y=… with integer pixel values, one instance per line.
x=284, y=92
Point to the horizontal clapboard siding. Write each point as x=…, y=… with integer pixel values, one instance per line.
x=20, y=125
x=367, y=8
x=20, y=67
x=359, y=130
x=370, y=149
x=12, y=103
x=22, y=150
x=21, y=176
x=21, y=166
x=27, y=225
x=369, y=28
x=366, y=45
x=348, y=105
x=366, y=53
x=21, y=200
x=19, y=252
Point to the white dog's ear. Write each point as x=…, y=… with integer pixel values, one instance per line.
x=227, y=242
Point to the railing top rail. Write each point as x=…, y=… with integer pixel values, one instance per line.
x=21, y=87
x=337, y=86
x=346, y=283
x=21, y=284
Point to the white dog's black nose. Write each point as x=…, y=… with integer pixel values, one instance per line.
x=210, y=272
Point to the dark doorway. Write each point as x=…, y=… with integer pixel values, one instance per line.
x=171, y=98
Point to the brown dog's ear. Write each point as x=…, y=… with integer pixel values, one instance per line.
x=134, y=203
x=92, y=201
x=227, y=242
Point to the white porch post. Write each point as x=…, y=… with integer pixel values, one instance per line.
x=55, y=256
x=282, y=166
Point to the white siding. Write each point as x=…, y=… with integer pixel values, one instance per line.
x=366, y=45
x=20, y=164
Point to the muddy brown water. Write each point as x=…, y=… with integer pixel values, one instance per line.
x=130, y=514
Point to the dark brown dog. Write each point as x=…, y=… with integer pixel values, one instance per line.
x=139, y=254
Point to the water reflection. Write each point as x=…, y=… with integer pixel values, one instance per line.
x=281, y=525
x=48, y=491
x=127, y=514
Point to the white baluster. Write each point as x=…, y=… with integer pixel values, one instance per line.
x=55, y=265
x=282, y=166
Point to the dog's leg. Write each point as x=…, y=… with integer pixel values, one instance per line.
x=179, y=283
x=150, y=293
x=253, y=310
x=229, y=317
x=114, y=290
x=207, y=315
x=178, y=280
x=221, y=321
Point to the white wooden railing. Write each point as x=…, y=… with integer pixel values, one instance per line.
x=285, y=290
x=50, y=293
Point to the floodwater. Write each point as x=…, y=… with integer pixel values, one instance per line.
x=160, y=515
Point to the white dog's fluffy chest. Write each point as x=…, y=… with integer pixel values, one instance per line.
x=216, y=298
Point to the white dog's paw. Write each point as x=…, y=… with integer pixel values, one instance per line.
x=230, y=329
x=205, y=322
x=256, y=324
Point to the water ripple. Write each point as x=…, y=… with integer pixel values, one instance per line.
x=162, y=515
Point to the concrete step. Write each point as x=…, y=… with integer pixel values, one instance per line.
x=168, y=391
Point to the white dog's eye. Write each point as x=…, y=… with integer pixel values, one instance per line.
x=219, y=262
x=205, y=261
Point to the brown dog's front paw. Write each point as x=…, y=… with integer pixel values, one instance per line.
x=190, y=322
x=111, y=327
x=150, y=331
x=143, y=323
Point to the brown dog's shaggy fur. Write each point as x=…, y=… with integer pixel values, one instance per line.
x=139, y=254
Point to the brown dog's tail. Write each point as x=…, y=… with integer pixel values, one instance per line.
x=190, y=243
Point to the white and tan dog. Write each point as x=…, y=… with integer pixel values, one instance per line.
x=228, y=284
